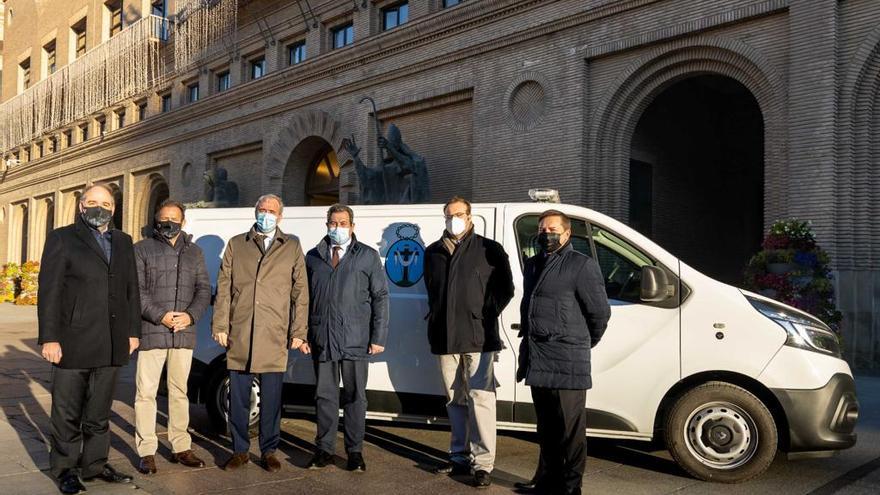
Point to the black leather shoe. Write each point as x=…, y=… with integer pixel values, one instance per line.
x=453, y=469
x=69, y=483
x=356, y=462
x=525, y=485
x=111, y=475
x=319, y=460
x=481, y=479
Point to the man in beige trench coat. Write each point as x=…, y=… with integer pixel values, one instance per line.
x=261, y=311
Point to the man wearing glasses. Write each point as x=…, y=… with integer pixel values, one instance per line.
x=348, y=323
x=469, y=283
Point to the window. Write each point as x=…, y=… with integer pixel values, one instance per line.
x=79, y=37
x=68, y=138
x=258, y=67
x=84, y=133
x=42, y=147
x=192, y=93
x=102, y=126
x=296, y=53
x=621, y=265
x=142, y=111
x=24, y=71
x=395, y=16
x=114, y=8
x=157, y=8
x=166, y=102
x=343, y=35
x=527, y=236
x=53, y=144
x=223, y=81
x=120, y=119
x=49, y=50
x=450, y=3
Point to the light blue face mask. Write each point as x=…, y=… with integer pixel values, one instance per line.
x=266, y=222
x=339, y=235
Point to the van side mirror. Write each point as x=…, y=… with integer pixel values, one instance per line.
x=655, y=285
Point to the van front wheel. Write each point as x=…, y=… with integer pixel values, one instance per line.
x=721, y=432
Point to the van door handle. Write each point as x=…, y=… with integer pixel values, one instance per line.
x=515, y=326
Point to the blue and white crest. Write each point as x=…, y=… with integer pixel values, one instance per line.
x=405, y=259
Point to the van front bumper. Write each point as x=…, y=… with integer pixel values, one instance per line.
x=823, y=418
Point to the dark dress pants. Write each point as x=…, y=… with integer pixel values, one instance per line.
x=354, y=403
x=271, y=387
x=80, y=431
x=562, y=424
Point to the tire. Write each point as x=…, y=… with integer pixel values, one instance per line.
x=720, y=432
x=217, y=402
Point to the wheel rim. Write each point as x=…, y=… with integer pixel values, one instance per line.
x=223, y=400
x=721, y=435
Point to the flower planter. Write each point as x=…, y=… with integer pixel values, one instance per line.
x=781, y=268
x=801, y=281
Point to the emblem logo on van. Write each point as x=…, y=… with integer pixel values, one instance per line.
x=405, y=260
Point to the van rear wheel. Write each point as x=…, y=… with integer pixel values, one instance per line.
x=217, y=402
x=721, y=432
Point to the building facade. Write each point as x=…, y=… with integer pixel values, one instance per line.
x=697, y=122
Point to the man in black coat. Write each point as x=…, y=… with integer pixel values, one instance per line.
x=89, y=319
x=348, y=323
x=175, y=291
x=469, y=283
x=564, y=313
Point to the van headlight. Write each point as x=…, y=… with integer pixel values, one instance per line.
x=803, y=332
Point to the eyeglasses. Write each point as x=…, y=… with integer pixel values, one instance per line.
x=343, y=224
x=462, y=215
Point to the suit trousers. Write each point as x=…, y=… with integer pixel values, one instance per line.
x=469, y=381
x=80, y=431
x=562, y=425
x=149, y=371
x=354, y=403
x=271, y=387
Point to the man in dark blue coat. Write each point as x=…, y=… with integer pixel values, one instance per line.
x=348, y=323
x=89, y=318
x=564, y=313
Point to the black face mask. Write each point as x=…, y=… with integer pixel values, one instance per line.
x=168, y=229
x=96, y=216
x=549, y=241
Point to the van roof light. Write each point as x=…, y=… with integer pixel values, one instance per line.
x=544, y=195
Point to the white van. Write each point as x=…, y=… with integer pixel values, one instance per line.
x=723, y=375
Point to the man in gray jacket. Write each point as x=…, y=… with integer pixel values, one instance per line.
x=175, y=292
x=348, y=323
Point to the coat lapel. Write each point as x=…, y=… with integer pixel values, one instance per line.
x=85, y=235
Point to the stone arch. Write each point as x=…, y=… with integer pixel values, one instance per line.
x=154, y=190
x=280, y=147
x=617, y=114
x=858, y=181
x=44, y=223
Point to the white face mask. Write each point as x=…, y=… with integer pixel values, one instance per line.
x=456, y=226
x=339, y=235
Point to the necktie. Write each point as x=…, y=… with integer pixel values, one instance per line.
x=335, y=259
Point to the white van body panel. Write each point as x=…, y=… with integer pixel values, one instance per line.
x=645, y=351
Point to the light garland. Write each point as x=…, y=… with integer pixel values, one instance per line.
x=128, y=64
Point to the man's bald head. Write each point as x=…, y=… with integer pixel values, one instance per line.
x=98, y=195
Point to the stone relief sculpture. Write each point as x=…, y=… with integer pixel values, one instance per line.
x=220, y=192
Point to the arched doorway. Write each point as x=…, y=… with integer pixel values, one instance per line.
x=312, y=174
x=24, y=215
x=50, y=216
x=118, y=200
x=696, y=176
x=157, y=193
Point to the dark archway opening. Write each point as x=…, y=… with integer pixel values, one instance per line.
x=312, y=174
x=697, y=174
x=158, y=193
x=25, y=228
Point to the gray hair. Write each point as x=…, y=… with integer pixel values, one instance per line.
x=97, y=185
x=339, y=208
x=262, y=199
